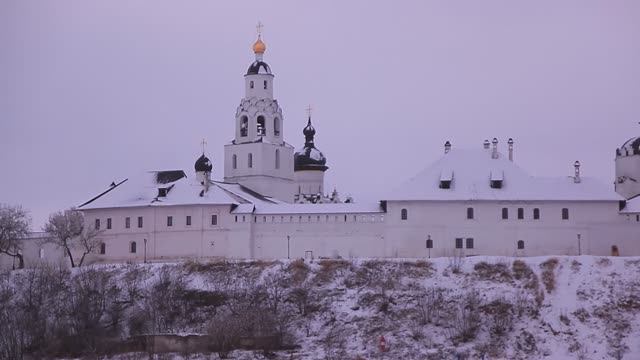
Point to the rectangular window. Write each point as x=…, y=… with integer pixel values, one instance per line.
x=127, y=222
x=458, y=243
x=520, y=213
x=565, y=214
x=505, y=213
x=139, y=221
x=188, y=220
x=536, y=214
x=97, y=225
x=108, y=223
x=214, y=219
x=469, y=243
x=469, y=213
x=169, y=220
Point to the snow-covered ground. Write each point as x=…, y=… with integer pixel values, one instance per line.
x=480, y=307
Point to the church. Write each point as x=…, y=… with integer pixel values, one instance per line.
x=271, y=202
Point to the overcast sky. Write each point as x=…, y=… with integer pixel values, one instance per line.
x=94, y=91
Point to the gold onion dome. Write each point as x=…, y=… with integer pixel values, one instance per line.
x=259, y=46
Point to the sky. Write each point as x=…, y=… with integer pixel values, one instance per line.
x=96, y=91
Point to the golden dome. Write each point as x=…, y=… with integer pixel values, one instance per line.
x=259, y=47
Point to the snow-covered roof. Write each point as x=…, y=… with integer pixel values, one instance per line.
x=329, y=208
x=154, y=189
x=632, y=206
x=473, y=170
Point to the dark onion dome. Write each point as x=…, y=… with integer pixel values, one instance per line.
x=309, y=157
x=259, y=67
x=203, y=164
x=631, y=147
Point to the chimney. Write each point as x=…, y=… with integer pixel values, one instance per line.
x=447, y=147
x=486, y=144
x=576, y=178
x=510, y=142
x=494, y=153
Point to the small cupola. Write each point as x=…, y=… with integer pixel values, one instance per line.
x=309, y=157
x=203, y=167
x=576, y=177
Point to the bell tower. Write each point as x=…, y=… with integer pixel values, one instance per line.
x=258, y=157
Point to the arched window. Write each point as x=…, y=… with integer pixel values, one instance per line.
x=234, y=161
x=262, y=130
x=133, y=247
x=250, y=160
x=520, y=245
x=103, y=248
x=536, y=214
x=276, y=127
x=244, y=126
x=265, y=84
x=403, y=214
x=277, y=159
x=251, y=84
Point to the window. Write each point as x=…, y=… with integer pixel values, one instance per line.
x=139, y=221
x=637, y=218
x=345, y=218
x=250, y=160
x=520, y=213
x=520, y=245
x=277, y=159
x=262, y=130
x=265, y=84
x=97, y=225
x=403, y=214
x=236, y=218
x=108, y=223
x=214, y=219
x=505, y=213
x=244, y=126
x=169, y=220
x=469, y=213
x=234, y=161
x=133, y=247
x=276, y=127
x=458, y=243
x=127, y=222
x=251, y=84
x=103, y=248
x=565, y=214
x=469, y=243
x=429, y=244
x=536, y=214
x=188, y=220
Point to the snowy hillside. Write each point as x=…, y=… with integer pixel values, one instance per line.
x=496, y=307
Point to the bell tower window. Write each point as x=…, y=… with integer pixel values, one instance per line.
x=276, y=127
x=251, y=84
x=265, y=84
x=262, y=130
x=244, y=126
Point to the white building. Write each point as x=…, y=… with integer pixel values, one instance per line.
x=272, y=203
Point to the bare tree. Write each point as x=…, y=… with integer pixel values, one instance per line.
x=14, y=226
x=67, y=230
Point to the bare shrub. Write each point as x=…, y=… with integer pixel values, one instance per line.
x=497, y=272
x=582, y=314
x=603, y=262
x=548, y=275
x=575, y=266
x=304, y=300
x=298, y=271
x=526, y=342
x=431, y=305
x=465, y=319
x=416, y=269
x=501, y=315
x=456, y=261
x=162, y=305
x=329, y=269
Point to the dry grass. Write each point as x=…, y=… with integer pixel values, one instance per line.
x=523, y=272
x=496, y=272
x=548, y=274
x=329, y=269
x=298, y=271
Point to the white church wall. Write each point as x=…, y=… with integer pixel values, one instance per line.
x=309, y=182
